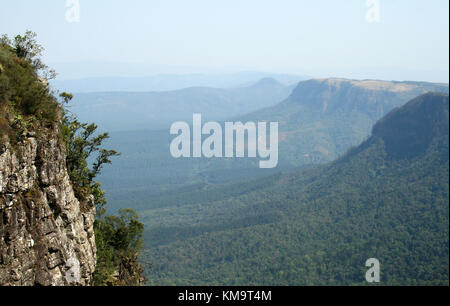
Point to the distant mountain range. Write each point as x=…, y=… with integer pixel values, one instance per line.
x=121, y=111
x=170, y=82
x=323, y=118
x=387, y=198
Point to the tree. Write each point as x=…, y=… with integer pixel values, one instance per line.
x=119, y=241
x=82, y=144
x=27, y=48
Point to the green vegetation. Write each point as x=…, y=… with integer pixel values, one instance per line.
x=319, y=226
x=207, y=224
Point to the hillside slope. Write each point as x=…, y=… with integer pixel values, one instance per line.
x=318, y=227
x=310, y=133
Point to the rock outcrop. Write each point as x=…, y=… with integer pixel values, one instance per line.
x=46, y=234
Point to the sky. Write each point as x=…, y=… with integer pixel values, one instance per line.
x=403, y=40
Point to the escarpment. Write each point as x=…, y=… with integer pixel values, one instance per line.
x=46, y=234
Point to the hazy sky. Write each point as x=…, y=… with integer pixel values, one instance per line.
x=315, y=37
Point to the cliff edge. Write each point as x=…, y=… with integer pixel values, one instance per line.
x=46, y=237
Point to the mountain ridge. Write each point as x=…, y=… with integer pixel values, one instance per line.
x=323, y=118
x=414, y=116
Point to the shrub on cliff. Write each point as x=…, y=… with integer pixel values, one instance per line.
x=119, y=241
x=24, y=78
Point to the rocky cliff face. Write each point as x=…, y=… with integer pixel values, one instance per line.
x=46, y=234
